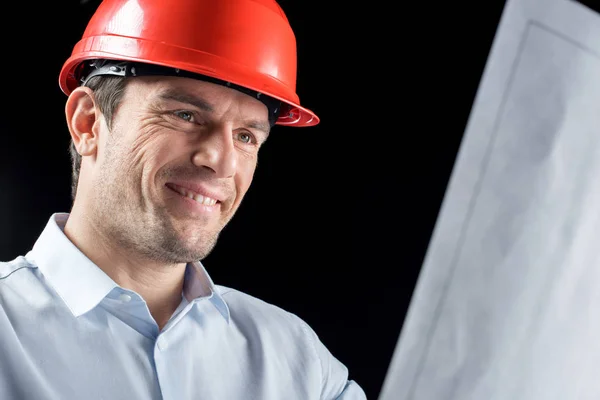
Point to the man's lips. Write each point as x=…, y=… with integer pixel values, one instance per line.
x=192, y=194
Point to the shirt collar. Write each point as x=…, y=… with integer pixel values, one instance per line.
x=198, y=284
x=84, y=287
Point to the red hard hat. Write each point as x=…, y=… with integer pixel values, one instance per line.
x=249, y=43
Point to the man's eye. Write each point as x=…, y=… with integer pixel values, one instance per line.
x=185, y=115
x=245, y=137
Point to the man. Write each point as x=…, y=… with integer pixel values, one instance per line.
x=168, y=105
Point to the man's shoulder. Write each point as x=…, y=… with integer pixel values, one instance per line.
x=9, y=268
x=252, y=310
x=240, y=301
x=19, y=283
x=287, y=335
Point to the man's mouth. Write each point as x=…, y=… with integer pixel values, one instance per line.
x=207, y=201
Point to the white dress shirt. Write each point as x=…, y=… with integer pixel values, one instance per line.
x=69, y=332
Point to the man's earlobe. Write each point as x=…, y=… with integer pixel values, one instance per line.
x=82, y=117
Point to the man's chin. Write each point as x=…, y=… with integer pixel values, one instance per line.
x=193, y=252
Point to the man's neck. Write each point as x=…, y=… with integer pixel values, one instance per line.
x=158, y=284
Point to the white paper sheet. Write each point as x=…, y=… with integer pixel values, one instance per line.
x=507, y=306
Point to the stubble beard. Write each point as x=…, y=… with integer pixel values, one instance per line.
x=141, y=228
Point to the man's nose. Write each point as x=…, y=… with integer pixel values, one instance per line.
x=216, y=151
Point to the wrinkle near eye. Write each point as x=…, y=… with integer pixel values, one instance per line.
x=142, y=145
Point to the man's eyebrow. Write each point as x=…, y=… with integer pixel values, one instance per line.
x=183, y=97
x=260, y=125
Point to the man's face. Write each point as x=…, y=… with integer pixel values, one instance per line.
x=175, y=165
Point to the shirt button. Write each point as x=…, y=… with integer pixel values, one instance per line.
x=162, y=343
x=125, y=298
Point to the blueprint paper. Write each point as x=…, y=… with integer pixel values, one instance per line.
x=507, y=305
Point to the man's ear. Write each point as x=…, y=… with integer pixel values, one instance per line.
x=83, y=120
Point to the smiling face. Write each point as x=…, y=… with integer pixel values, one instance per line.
x=174, y=167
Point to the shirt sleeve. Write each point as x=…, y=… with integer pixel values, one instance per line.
x=335, y=382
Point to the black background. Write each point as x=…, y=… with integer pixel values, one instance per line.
x=338, y=220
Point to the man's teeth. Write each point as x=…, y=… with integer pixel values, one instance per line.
x=207, y=201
